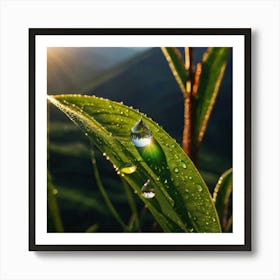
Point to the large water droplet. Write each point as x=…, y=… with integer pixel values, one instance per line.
x=147, y=190
x=141, y=135
x=128, y=168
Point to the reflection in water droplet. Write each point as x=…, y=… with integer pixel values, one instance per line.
x=176, y=170
x=141, y=135
x=147, y=190
x=128, y=168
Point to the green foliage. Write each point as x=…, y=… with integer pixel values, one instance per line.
x=53, y=210
x=221, y=197
x=213, y=67
x=205, y=89
x=182, y=201
x=177, y=66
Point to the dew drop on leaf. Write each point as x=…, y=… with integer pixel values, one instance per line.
x=147, y=190
x=128, y=168
x=140, y=134
x=176, y=170
x=183, y=164
x=199, y=188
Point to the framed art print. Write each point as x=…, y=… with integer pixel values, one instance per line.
x=140, y=139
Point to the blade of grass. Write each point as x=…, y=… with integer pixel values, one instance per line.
x=53, y=206
x=221, y=196
x=176, y=64
x=210, y=77
x=134, y=216
x=104, y=193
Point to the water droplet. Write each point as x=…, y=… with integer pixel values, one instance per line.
x=190, y=177
x=176, y=170
x=199, y=188
x=213, y=219
x=128, y=168
x=147, y=190
x=55, y=191
x=165, y=181
x=141, y=135
x=86, y=134
x=183, y=164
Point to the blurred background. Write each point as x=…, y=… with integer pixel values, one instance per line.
x=138, y=77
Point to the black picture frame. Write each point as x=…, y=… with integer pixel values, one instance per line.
x=33, y=32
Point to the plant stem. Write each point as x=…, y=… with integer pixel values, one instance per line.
x=188, y=143
x=131, y=202
x=53, y=207
x=52, y=204
x=103, y=192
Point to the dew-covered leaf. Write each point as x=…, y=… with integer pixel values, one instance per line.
x=213, y=67
x=148, y=159
x=221, y=198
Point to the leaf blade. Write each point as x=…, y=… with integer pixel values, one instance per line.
x=210, y=77
x=221, y=196
x=177, y=66
x=178, y=194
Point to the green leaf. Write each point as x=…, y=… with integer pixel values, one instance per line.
x=182, y=202
x=221, y=197
x=177, y=66
x=213, y=67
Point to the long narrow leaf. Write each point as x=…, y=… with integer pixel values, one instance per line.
x=177, y=66
x=221, y=197
x=181, y=202
x=213, y=67
x=53, y=209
